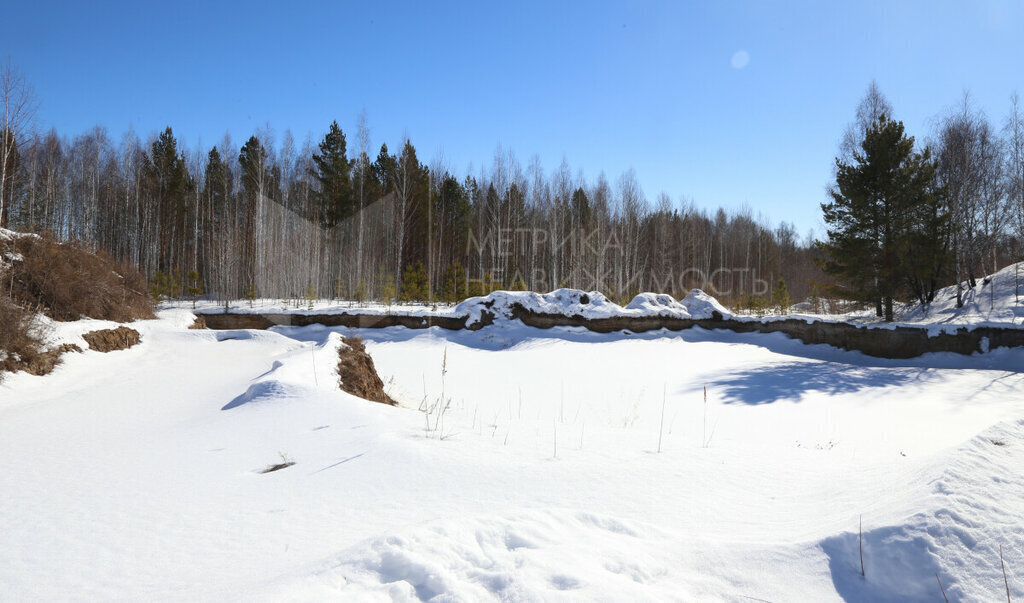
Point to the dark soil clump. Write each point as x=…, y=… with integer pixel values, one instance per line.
x=108, y=340
x=357, y=373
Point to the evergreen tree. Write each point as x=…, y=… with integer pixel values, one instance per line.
x=217, y=184
x=875, y=218
x=414, y=283
x=454, y=285
x=195, y=286
x=168, y=182
x=383, y=169
x=333, y=172
x=780, y=296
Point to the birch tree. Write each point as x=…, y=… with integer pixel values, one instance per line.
x=18, y=107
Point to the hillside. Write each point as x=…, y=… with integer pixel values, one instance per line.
x=997, y=300
x=43, y=281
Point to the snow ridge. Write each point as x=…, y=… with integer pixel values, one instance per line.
x=589, y=305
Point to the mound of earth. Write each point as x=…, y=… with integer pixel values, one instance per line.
x=68, y=281
x=65, y=282
x=109, y=340
x=357, y=373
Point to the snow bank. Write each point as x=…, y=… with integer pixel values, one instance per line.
x=11, y=235
x=972, y=511
x=589, y=305
x=996, y=300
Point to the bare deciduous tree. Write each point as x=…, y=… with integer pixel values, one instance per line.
x=18, y=107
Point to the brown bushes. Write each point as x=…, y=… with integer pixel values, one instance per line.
x=21, y=345
x=19, y=341
x=358, y=375
x=66, y=281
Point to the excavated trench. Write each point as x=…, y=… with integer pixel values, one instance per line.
x=895, y=342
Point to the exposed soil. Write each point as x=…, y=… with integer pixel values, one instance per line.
x=357, y=373
x=199, y=323
x=352, y=319
x=109, y=340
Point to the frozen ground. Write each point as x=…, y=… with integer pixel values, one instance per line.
x=135, y=475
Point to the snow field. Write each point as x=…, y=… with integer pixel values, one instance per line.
x=135, y=475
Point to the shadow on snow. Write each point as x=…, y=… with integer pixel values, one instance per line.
x=790, y=381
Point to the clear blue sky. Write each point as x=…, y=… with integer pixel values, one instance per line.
x=656, y=86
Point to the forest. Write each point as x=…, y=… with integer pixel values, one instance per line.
x=337, y=218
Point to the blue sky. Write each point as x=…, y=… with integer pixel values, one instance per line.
x=654, y=86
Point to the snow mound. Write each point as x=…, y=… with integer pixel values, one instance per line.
x=974, y=503
x=589, y=305
x=10, y=235
x=702, y=305
x=532, y=556
x=997, y=299
x=567, y=302
x=264, y=391
x=658, y=304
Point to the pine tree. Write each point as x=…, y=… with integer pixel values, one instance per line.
x=168, y=181
x=333, y=172
x=876, y=217
x=195, y=286
x=250, y=294
x=359, y=295
x=780, y=296
x=217, y=185
x=386, y=284
x=414, y=282
x=454, y=284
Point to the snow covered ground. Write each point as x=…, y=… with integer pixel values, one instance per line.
x=997, y=300
x=136, y=475
x=568, y=302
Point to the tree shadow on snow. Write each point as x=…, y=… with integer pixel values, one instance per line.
x=792, y=381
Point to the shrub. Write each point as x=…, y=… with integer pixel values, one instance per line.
x=414, y=283
x=454, y=284
x=388, y=291
x=67, y=281
x=19, y=341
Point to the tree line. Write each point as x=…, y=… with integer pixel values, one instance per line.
x=337, y=218
x=274, y=220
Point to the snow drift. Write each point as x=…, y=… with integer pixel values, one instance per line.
x=587, y=305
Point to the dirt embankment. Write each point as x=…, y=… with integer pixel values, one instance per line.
x=32, y=358
x=358, y=375
x=351, y=319
x=68, y=281
x=896, y=342
x=64, y=281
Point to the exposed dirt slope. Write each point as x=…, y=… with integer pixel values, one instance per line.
x=357, y=373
